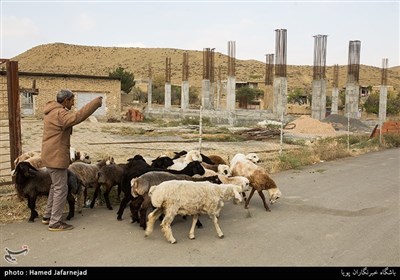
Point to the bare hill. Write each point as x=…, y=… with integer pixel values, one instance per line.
x=94, y=60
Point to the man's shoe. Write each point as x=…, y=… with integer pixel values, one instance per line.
x=60, y=226
x=45, y=221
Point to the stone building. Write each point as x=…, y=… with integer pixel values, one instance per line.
x=36, y=89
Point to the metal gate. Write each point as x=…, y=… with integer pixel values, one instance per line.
x=10, y=119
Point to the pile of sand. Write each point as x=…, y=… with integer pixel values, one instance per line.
x=307, y=125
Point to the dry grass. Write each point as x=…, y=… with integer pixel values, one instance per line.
x=12, y=208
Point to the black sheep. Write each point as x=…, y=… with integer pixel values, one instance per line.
x=31, y=182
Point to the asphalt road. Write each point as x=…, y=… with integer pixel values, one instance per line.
x=341, y=213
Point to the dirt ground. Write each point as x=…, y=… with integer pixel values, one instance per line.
x=102, y=138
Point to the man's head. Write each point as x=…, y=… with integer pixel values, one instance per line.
x=66, y=98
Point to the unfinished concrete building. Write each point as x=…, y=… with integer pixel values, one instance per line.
x=318, y=106
x=167, y=98
x=352, y=86
x=335, y=90
x=207, y=98
x=231, y=79
x=383, y=93
x=185, y=82
x=280, y=80
x=269, y=79
x=150, y=87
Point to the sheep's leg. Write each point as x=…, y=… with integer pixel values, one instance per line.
x=71, y=204
x=264, y=201
x=96, y=193
x=80, y=199
x=123, y=204
x=199, y=224
x=166, y=227
x=134, y=206
x=85, y=196
x=244, y=196
x=153, y=216
x=143, y=211
x=32, y=206
x=107, y=197
x=218, y=229
x=246, y=205
x=119, y=190
x=194, y=222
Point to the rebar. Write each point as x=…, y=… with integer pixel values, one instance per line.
x=231, y=58
x=353, y=67
x=269, y=69
x=280, y=50
x=185, y=67
x=385, y=65
x=319, y=57
x=336, y=76
x=168, y=70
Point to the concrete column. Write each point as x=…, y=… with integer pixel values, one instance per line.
x=231, y=94
x=149, y=93
x=280, y=97
x=352, y=97
x=212, y=96
x=382, y=104
x=218, y=102
x=205, y=94
x=335, y=101
x=268, y=97
x=167, y=99
x=318, y=106
x=185, y=95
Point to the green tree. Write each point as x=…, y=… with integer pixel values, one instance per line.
x=127, y=79
x=138, y=94
x=298, y=96
x=158, y=89
x=371, y=105
x=194, y=96
x=245, y=95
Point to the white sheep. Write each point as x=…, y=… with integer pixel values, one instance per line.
x=189, y=198
x=235, y=180
x=180, y=163
x=253, y=157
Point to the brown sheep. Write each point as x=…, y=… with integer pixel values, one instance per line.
x=259, y=180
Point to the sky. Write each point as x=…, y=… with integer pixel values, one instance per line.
x=195, y=25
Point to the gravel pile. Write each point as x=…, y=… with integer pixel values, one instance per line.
x=339, y=122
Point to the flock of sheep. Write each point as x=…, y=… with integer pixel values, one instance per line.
x=188, y=184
